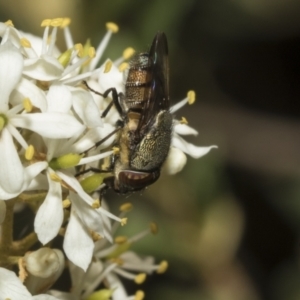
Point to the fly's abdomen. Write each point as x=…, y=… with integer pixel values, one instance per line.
x=138, y=82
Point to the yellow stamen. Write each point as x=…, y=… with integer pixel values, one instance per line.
x=140, y=278
x=126, y=207
x=121, y=239
x=124, y=221
x=29, y=153
x=25, y=43
x=113, y=27
x=66, y=22
x=96, y=204
x=27, y=105
x=153, y=228
x=107, y=66
x=95, y=236
x=91, y=52
x=128, y=52
x=117, y=260
x=65, y=57
x=183, y=121
x=55, y=177
x=163, y=266
x=66, y=203
x=57, y=22
x=116, y=150
x=139, y=295
x=9, y=23
x=191, y=97
x=123, y=66
x=46, y=23
x=79, y=48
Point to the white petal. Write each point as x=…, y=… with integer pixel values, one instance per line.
x=116, y=285
x=11, y=62
x=184, y=129
x=59, y=98
x=78, y=244
x=86, y=108
x=26, y=89
x=12, y=171
x=40, y=182
x=46, y=68
x=190, y=149
x=50, y=125
x=45, y=297
x=11, y=287
x=2, y=211
x=50, y=214
x=175, y=162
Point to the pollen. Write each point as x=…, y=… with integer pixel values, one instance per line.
x=9, y=23
x=140, y=278
x=29, y=153
x=124, y=221
x=153, y=228
x=116, y=150
x=95, y=236
x=121, y=239
x=96, y=204
x=46, y=22
x=91, y=52
x=79, y=48
x=139, y=295
x=27, y=105
x=113, y=27
x=126, y=207
x=123, y=66
x=128, y=52
x=57, y=22
x=107, y=66
x=66, y=203
x=163, y=266
x=191, y=95
x=183, y=121
x=66, y=22
x=25, y=43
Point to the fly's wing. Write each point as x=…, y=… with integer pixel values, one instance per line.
x=157, y=94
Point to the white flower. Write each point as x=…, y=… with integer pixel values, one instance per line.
x=12, y=288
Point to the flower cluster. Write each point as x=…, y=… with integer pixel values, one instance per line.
x=49, y=122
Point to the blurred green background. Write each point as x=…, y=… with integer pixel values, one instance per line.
x=230, y=221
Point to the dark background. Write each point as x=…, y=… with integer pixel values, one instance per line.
x=229, y=222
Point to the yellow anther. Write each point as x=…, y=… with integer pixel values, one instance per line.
x=121, y=239
x=191, y=97
x=163, y=266
x=107, y=66
x=66, y=203
x=66, y=22
x=117, y=260
x=55, y=177
x=113, y=27
x=95, y=236
x=9, y=23
x=29, y=153
x=153, y=228
x=126, y=207
x=91, y=52
x=128, y=52
x=27, y=105
x=96, y=204
x=57, y=22
x=124, y=221
x=140, y=278
x=116, y=150
x=65, y=57
x=46, y=22
x=25, y=43
x=79, y=48
x=123, y=66
x=183, y=121
x=139, y=295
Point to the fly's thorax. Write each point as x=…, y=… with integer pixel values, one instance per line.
x=152, y=150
